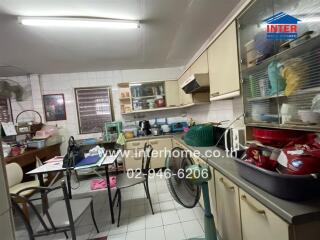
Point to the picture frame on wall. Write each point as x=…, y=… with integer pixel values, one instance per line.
x=54, y=107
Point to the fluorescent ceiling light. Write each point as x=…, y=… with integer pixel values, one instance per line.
x=79, y=22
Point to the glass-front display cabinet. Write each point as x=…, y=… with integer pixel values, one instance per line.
x=148, y=95
x=280, y=72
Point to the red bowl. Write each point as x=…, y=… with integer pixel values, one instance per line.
x=275, y=137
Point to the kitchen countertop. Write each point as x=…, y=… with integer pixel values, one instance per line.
x=291, y=212
x=153, y=137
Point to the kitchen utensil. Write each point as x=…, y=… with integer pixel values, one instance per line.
x=156, y=130
x=308, y=116
x=272, y=118
x=258, y=109
x=251, y=53
x=145, y=127
x=165, y=128
x=151, y=103
x=178, y=126
x=275, y=137
x=160, y=101
x=288, y=112
x=6, y=149
x=316, y=104
x=128, y=134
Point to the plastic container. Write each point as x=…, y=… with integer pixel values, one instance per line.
x=275, y=137
x=36, y=144
x=285, y=186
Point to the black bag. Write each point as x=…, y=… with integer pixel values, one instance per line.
x=74, y=154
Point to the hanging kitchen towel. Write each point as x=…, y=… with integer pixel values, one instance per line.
x=121, y=139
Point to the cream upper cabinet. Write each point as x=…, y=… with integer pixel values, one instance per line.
x=258, y=222
x=200, y=65
x=185, y=99
x=228, y=209
x=171, y=90
x=224, y=65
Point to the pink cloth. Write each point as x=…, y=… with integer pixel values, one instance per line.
x=102, y=183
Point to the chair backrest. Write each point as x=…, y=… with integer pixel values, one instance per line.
x=47, y=224
x=146, y=158
x=14, y=174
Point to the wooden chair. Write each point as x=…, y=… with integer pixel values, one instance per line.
x=60, y=217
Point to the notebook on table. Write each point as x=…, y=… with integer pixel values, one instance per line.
x=89, y=160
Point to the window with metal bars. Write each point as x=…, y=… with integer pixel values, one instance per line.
x=5, y=110
x=94, y=108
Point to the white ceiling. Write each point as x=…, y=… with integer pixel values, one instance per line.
x=171, y=32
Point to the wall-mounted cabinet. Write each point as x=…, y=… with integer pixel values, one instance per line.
x=224, y=65
x=200, y=65
x=172, y=96
x=281, y=78
x=185, y=99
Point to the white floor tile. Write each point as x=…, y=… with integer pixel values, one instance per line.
x=137, y=211
x=137, y=235
x=192, y=229
x=123, y=228
x=101, y=234
x=137, y=223
x=167, y=206
x=154, y=220
x=156, y=208
x=155, y=234
x=170, y=217
x=118, y=237
x=174, y=232
x=186, y=214
x=198, y=211
x=164, y=197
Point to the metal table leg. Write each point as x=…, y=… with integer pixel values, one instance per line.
x=68, y=173
x=117, y=172
x=44, y=200
x=109, y=193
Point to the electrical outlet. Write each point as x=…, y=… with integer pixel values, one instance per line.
x=237, y=138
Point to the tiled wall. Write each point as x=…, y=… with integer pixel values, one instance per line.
x=27, y=102
x=38, y=85
x=223, y=110
x=65, y=83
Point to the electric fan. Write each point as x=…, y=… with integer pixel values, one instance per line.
x=185, y=181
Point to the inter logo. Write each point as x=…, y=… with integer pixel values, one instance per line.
x=281, y=26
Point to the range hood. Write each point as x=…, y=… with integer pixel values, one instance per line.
x=196, y=83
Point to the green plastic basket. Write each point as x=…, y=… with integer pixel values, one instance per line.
x=200, y=136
